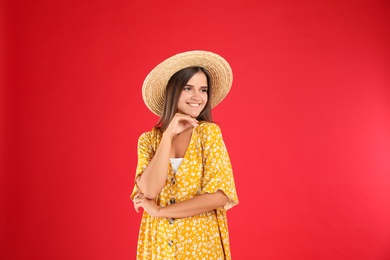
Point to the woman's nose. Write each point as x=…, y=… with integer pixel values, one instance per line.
x=196, y=95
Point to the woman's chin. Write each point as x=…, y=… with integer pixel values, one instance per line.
x=191, y=114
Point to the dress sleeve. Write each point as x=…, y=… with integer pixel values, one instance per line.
x=145, y=155
x=218, y=174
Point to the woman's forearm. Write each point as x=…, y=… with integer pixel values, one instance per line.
x=154, y=176
x=194, y=206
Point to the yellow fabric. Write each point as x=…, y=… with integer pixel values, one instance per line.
x=206, y=168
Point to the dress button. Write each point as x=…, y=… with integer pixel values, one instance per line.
x=172, y=201
x=171, y=220
x=170, y=243
x=173, y=181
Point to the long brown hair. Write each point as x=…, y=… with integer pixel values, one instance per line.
x=172, y=93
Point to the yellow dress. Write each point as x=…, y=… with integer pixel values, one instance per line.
x=205, y=168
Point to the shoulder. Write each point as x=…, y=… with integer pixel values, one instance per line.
x=150, y=136
x=207, y=130
x=208, y=127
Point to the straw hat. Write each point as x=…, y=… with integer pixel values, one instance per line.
x=153, y=88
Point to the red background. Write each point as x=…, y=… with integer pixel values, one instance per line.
x=307, y=122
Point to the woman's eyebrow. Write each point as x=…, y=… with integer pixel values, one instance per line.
x=188, y=85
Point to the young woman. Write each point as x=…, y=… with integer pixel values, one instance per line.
x=184, y=180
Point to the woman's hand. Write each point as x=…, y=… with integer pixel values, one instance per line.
x=180, y=123
x=150, y=206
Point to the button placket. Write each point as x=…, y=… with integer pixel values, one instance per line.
x=171, y=220
x=172, y=200
x=173, y=179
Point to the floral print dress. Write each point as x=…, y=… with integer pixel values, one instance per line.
x=205, y=168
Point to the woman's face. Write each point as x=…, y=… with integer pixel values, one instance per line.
x=193, y=97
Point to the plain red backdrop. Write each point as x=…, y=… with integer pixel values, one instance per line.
x=307, y=123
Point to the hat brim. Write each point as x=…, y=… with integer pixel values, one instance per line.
x=153, y=88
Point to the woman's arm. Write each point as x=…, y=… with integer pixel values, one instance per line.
x=154, y=177
x=155, y=174
x=194, y=206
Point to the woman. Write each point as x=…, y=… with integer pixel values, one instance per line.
x=184, y=180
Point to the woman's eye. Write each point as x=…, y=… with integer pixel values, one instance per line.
x=187, y=88
x=204, y=90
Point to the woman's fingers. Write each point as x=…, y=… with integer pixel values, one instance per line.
x=137, y=201
x=186, y=118
x=181, y=122
x=139, y=196
x=137, y=204
x=136, y=208
x=147, y=205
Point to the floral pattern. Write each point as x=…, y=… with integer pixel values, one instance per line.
x=205, y=168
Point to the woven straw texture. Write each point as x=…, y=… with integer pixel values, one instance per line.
x=153, y=89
